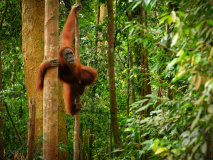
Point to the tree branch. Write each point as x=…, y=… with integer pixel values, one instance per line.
x=19, y=137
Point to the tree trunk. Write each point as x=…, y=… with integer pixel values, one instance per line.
x=90, y=141
x=147, y=80
x=62, y=132
x=77, y=115
x=1, y=112
x=113, y=103
x=96, y=32
x=50, y=100
x=128, y=83
x=103, y=13
x=142, y=57
x=129, y=16
x=31, y=129
x=110, y=142
x=132, y=77
x=33, y=53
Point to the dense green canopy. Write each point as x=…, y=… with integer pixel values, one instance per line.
x=166, y=45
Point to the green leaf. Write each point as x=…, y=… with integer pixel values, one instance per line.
x=155, y=146
x=172, y=63
x=196, y=119
x=196, y=147
x=146, y=2
x=161, y=20
x=181, y=14
x=197, y=27
x=136, y=4
x=186, y=141
x=180, y=53
x=160, y=150
x=204, y=147
x=145, y=42
x=185, y=134
x=144, y=107
x=173, y=16
x=129, y=129
x=210, y=22
x=174, y=39
x=210, y=109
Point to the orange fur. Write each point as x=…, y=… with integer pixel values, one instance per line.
x=75, y=76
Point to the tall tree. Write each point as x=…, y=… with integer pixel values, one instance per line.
x=50, y=99
x=1, y=108
x=111, y=72
x=77, y=115
x=101, y=12
x=33, y=53
x=62, y=131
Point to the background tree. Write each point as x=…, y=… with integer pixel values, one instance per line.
x=113, y=104
x=33, y=54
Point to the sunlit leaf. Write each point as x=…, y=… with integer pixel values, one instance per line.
x=174, y=39
x=192, y=60
x=211, y=53
x=181, y=14
x=164, y=14
x=160, y=150
x=144, y=107
x=196, y=147
x=209, y=33
x=197, y=27
x=161, y=20
x=129, y=129
x=172, y=63
x=197, y=82
x=186, y=141
x=185, y=134
x=204, y=147
x=155, y=146
x=146, y=2
x=173, y=16
x=200, y=100
x=136, y=4
x=210, y=109
x=180, y=53
x=196, y=119
x=192, y=32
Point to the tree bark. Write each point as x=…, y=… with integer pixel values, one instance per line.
x=96, y=32
x=113, y=103
x=90, y=141
x=62, y=132
x=103, y=13
x=129, y=16
x=1, y=112
x=132, y=77
x=50, y=100
x=147, y=80
x=31, y=129
x=33, y=53
x=77, y=115
x=128, y=83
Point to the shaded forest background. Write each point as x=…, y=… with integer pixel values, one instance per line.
x=163, y=76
